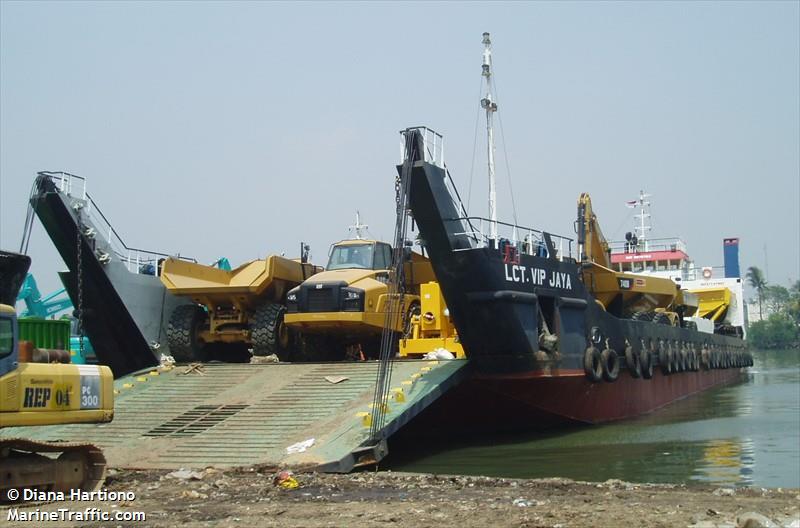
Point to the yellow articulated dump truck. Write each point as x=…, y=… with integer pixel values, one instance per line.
x=340, y=313
x=235, y=310
x=39, y=387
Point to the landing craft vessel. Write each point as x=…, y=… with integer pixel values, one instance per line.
x=542, y=344
x=552, y=331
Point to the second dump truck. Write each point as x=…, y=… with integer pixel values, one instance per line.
x=235, y=310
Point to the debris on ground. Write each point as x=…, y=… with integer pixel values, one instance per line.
x=285, y=480
x=267, y=496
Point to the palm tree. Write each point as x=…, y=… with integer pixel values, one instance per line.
x=794, y=301
x=755, y=278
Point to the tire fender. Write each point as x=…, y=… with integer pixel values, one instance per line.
x=610, y=362
x=592, y=364
x=633, y=361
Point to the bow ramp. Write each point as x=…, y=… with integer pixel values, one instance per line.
x=225, y=415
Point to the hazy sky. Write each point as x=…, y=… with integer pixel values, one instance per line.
x=240, y=129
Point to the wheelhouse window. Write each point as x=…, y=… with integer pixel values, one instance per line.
x=383, y=256
x=351, y=256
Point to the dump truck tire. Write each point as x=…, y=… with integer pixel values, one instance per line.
x=662, y=318
x=182, y=333
x=268, y=332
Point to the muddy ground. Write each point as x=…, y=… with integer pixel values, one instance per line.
x=250, y=497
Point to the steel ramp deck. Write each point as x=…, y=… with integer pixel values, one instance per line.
x=226, y=415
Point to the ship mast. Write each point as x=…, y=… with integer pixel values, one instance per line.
x=490, y=107
x=644, y=223
x=358, y=227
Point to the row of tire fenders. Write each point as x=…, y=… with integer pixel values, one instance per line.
x=671, y=356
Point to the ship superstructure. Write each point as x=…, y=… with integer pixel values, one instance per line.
x=720, y=288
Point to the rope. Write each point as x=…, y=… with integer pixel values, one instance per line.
x=474, y=147
x=505, y=155
x=27, y=229
x=396, y=298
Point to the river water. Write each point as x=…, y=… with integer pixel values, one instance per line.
x=746, y=434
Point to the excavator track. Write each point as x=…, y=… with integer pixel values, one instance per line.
x=24, y=464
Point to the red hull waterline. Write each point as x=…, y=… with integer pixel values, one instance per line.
x=575, y=398
x=540, y=401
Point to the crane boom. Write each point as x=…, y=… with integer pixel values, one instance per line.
x=592, y=245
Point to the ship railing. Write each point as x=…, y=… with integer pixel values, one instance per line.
x=68, y=184
x=526, y=240
x=97, y=226
x=433, y=153
x=650, y=244
x=699, y=273
x=433, y=145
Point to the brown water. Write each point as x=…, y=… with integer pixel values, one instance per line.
x=747, y=434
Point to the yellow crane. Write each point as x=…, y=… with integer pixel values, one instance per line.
x=624, y=294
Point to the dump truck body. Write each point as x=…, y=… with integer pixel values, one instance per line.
x=235, y=309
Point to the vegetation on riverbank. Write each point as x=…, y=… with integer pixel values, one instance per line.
x=781, y=328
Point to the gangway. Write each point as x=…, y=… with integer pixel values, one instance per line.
x=229, y=415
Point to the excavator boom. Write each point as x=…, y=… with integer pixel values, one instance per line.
x=624, y=294
x=592, y=245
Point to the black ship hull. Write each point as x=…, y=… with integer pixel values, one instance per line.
x=504, y=302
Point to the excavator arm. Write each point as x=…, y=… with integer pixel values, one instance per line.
x=592, y=245
x=621, y=293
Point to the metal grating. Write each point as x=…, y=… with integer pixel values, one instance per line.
x=227, y=415
x=196, y=421
x=321, y=300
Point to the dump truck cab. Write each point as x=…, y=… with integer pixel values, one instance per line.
x=360, y=254
x=342, y=311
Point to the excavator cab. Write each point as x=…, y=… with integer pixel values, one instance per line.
x=40, y=387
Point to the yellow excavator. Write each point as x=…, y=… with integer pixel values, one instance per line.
x=626, y=295
x=37, y=388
